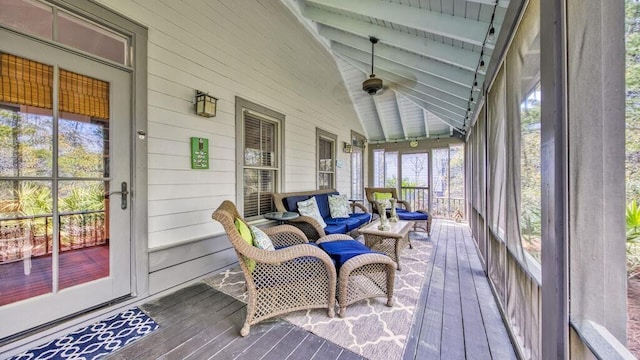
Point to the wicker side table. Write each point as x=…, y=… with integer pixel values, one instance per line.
x=390, y=242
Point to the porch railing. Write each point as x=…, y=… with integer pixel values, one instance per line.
x=448, y=207
x=443, y=207
x=416, y=196
x=77, y=230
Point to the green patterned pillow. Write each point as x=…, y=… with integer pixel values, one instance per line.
x=338, y=206
x=383, y=198
x=260, y=239
x=244, y=231
x=310, y=208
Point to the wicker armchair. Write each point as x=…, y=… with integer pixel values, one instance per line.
x=299, y=276
x=405, y=214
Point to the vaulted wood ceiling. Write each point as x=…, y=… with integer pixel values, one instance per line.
x=429, y=57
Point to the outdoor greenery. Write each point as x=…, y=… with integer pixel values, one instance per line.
x=26, y=151
x=531, y=179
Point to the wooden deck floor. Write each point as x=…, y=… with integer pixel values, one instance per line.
x=456, y=318
x=76, y=267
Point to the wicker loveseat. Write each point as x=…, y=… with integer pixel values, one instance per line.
x=421, y=218
x=295, y=276
x=359, y=216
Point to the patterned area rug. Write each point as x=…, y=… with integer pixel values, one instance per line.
x=370, y=328
x=97, y=340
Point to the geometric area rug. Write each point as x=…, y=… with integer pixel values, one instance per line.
x=97, y=340
x=370, y=328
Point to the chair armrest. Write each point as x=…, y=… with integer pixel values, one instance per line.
x=334, y=237
x=286, y=235
x=309, y=226
x=406, y=204
x=288, y=253
x=355, y=205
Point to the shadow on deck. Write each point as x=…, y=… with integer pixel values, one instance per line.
x=456, y=318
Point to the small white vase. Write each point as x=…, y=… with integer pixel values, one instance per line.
x=393, y=216
x=384, y=222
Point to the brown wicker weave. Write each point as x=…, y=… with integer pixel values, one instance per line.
x=390, y=242
x=363, y=276
x=297, y=277
x=308, y=225
x=417, y=224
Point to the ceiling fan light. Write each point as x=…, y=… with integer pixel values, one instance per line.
x=372, y=85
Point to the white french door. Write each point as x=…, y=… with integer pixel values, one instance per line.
x=65, y=173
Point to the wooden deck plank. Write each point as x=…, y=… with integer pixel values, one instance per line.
x=427, y=328
x=266, y=342
x=286, y=346
x=497, y=337
x=328, y=351
x=476, y=344
x=452, y=345
x=307, y=348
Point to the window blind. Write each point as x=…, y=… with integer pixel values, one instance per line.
x=25, y=82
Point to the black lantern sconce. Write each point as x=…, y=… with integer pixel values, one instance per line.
x=205, y=104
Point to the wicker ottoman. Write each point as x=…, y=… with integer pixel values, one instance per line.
x=365, y=275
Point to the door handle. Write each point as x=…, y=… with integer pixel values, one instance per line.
x=123, y=195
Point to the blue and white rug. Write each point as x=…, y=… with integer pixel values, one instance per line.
x=97, y=340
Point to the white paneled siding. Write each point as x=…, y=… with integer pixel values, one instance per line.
x=257, y=50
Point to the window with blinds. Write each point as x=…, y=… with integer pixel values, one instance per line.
x=260, y=166
x=357, y=165
x=326, y=159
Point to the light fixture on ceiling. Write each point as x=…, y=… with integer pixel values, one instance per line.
x=373, y=84
x=481, y=67
x=492, y=34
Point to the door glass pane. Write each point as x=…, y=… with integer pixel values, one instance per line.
x=357, y=191
x=91, y=38
x=84, y=239
x=26, y=206
x=415, y=180
x=391, y=169
x=25, y=141
x=83, y=147
x=440, y=182
x=83, y=154
x=456, y=182
x=25, y=239
x=29, y=16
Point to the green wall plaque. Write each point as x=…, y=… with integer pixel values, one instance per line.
x=199, y=153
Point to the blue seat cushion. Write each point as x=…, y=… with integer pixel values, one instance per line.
x=349, y=222
x=411, y=215
x=343, y=250
x=362, y=218
x=335, y=229
x=291, y=203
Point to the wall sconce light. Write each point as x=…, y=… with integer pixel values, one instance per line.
x=205, y=104
x=348, y=148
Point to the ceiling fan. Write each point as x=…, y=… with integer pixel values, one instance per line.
x=373, y=84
